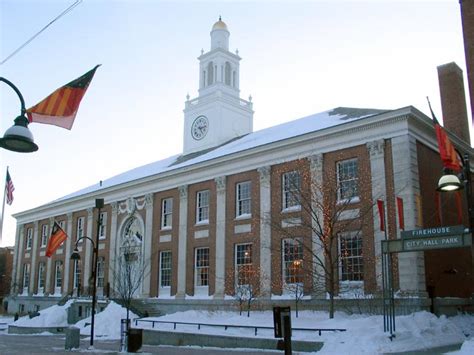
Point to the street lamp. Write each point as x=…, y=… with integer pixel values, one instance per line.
x=18, y=138
x=451, y=182
x=99, y=204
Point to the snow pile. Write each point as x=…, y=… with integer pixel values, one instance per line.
x=106, y=323
x=54, y=316
x=364, y=335
x=417, y=331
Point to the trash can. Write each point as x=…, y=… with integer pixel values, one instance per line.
x=134, y=339
x=73, y=338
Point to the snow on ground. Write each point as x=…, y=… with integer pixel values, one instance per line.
x=364, y=335
x=54, y=316
x=106, y=323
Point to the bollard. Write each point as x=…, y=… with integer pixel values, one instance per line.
x=73, y=338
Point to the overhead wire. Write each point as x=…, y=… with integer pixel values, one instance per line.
x=69, y=9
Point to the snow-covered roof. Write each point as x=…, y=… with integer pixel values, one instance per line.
x=305, y=125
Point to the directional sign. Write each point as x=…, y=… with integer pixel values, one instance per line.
x=434, y=232
x=427, y=243
x=451, y=241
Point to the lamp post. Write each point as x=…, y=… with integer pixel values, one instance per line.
x=99, y=204
x=451, y=182
x=18, y=138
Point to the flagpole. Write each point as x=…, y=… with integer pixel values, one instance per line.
x=3, y=210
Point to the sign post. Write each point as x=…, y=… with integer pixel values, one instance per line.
x=282, y=328
x=416, y=240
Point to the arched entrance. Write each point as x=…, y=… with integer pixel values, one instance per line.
x=130, y=263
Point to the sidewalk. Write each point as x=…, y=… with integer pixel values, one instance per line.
x=54, y=344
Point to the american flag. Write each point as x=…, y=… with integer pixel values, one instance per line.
x=9, y=188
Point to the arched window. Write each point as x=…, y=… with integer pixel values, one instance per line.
x=210, y=73
x=228, y=71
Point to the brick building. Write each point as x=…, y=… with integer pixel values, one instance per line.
x=237, y=200
x=6, y=267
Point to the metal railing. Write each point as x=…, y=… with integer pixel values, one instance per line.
x=226, y=326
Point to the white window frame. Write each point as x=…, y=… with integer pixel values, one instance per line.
x=58, y=276
x=26, y=277
x=202, y=206
x=345, y=178
x=77, y=274
x=79, y=229
x=103, y=225
x=44, y=235
x=29, y=238
x=243, y=199
x=243, y=259
x=167, y=213
x=291, y=191
x=101, y=272
x=290, y=258
x=201, y=269
x=41, y=277
x=357, y=259
x=166, y=265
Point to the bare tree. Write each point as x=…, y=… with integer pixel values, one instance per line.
x=244, y=283
x=328, y=224
x=129, y=272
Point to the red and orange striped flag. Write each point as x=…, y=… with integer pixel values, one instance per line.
x=58, y=236
x=60, y=108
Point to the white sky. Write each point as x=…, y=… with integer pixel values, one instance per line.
x=298, y=58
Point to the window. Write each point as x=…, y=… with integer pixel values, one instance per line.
x=243, y=263
x=165, y=268
x=166, y=213
x=210, y=73
x=41, y=277
x=80, y=228
x=243, y=199
x=62, y=225
x=101, y=272
x=202, y=209
x=77, y=274
x=347, y=180
x=58, y=274
x=29, y=238
x=202, y=267
x=44, y=235
x=103, y=225
x=291, y=190
x=350, y=248
x=292, y=261
x=26, y=275
x=228, y=70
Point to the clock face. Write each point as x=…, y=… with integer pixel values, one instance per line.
x=200, y=127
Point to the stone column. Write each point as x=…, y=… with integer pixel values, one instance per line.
x=220, y=237
x=113, y=244
x=148, y=245
x=89, y=248
x=265, y=232
x=317, y=222
x=17, y=259
x=67, y=260
x=47, y=286
x=377, y=170
x=405, y=168
x=33, y=265
x=182, y=235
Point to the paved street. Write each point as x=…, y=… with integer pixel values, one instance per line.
x=47, y=344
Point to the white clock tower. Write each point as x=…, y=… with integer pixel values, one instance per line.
x=218, y=114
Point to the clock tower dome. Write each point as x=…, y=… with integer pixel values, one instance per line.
x=218, y=114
